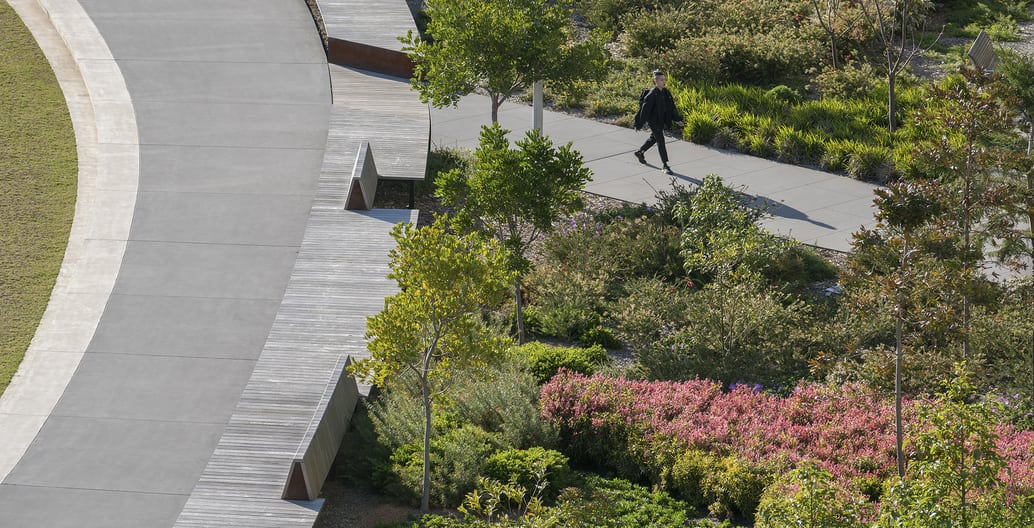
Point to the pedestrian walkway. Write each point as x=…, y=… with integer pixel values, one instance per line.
x=814, y=207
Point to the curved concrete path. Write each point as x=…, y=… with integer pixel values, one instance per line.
x=228, y=115
x=815, y=207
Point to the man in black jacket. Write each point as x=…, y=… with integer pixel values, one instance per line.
x=659, y=112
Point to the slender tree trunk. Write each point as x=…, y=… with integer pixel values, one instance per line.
x=899, y=433
x=898, y=428
x=967, y=206
x=497, y=101
x=425, y=492
x=519, y=309
x=833, y=49
x=892, y=103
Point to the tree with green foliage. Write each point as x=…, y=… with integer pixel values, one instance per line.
x=433, y=327
x=1017, y=71
x=904, y=210
x=499, y=46
x=972, y=110
x=515, y=194
x=953, y=478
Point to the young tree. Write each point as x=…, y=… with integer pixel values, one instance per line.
x=837, y=18
x=971, y=110
x=954, y=475
x=904, y=211
x=1017, y=72
x=500, y=46
x=515, y=194
x=896, y=23
x=432, y=326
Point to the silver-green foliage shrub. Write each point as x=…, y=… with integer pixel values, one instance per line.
x=457, y=459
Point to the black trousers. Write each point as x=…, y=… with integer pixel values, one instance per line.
x=656, y=136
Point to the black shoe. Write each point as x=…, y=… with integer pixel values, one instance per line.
x=667, y=170
x=639, y=156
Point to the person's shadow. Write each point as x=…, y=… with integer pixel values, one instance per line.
x=772, y=207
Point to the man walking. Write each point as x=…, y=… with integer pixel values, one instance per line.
x=658, y=111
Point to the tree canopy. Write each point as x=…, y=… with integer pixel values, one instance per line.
x=515, y=194
x=432, y=327
x=499, y=46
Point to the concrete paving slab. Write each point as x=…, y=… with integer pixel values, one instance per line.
x=180, y=168
x=266, y=219
x=40, y=382
x=226, y=82
x=205, y=270
x=150, y=387
x=18, y=430
x=803, y=191
x=272, y=41
x=32, y=506
x=117, y=455
x=69, y=325
x=96, y=206
x=96, y=262
x=245, y=10
x=184, y=326
x=233, y=125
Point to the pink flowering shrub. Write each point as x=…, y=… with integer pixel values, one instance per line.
x=847, y=430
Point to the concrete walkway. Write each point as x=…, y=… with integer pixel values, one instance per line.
x=815, y=207
x=226, y=113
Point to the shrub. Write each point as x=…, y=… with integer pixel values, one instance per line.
x=457, y=459
x=749, y=57
x=567, y=303
x=652, y=310
x=784, y=94
x=502, y=399
x=544, y=360
x=855, y=80
x=799, y=266
x=600, y=336
x=397, y=416
x=721, y=234
x=735, y=488
x=734, y=333
x=527, y=467
x=684, y=476
x=617, y=503
x=809, y=497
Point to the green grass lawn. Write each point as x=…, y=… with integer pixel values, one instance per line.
x=37, y=187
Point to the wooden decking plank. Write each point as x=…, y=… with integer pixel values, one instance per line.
x=376, y=23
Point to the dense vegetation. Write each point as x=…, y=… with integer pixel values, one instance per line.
x=740, y=389
x=762, y=77
x=37, y=187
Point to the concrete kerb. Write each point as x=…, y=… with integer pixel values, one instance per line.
x=108, y=171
